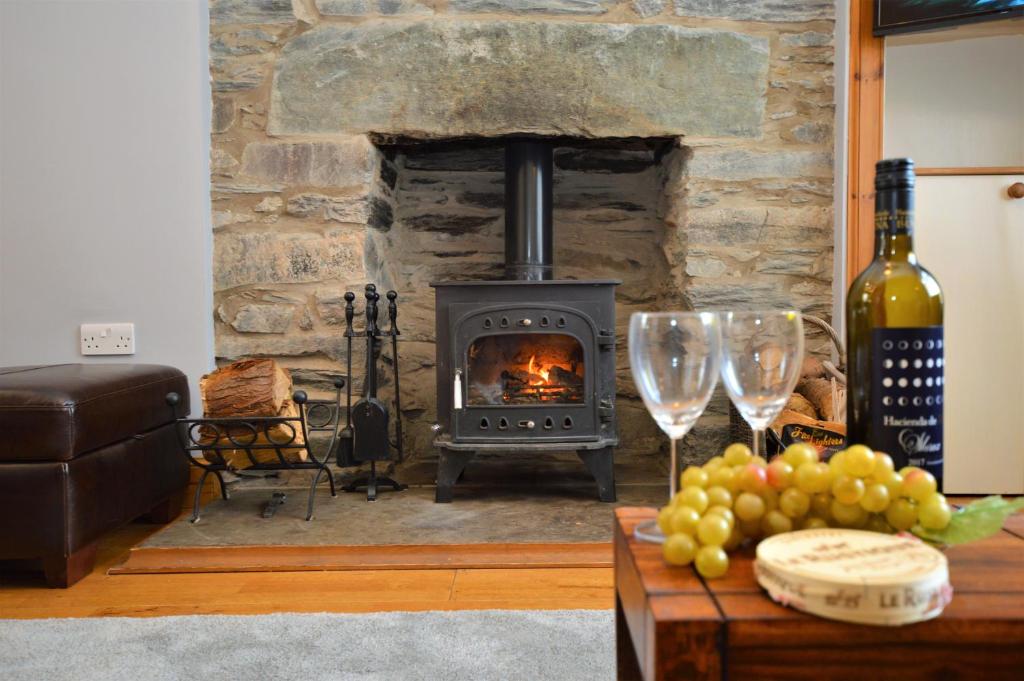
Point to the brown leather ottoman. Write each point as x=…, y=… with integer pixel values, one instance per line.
x=85, y=448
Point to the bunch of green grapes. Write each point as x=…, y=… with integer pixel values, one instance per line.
x=737, y=498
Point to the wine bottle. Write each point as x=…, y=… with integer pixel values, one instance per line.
x=894, y=336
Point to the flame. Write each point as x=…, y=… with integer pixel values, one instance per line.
x=543, y=373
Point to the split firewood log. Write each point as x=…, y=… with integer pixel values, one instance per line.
x=788, y=417
x=250, y=389
x=801, y=405
x=812, y=368
x=819, y=392
x=560, y=376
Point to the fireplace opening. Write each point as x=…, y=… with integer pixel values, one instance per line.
x=525, y=369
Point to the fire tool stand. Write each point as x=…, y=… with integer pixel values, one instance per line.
x=366, y=438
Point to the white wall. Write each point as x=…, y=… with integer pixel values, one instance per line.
x=104, y=184
x=955, y=101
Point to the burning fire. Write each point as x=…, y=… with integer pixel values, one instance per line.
x=538, y=371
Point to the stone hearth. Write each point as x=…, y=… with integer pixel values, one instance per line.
x=358, y=140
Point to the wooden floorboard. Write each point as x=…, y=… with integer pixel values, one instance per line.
x=317, y=558
x=24, y=595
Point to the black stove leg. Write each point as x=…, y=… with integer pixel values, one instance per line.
x=450, y=465
x=599, y=463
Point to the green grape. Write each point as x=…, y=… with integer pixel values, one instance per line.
x=752, y=478
x=665, y=519
x=813, y=522
x=693, y=477
x=821, y=505
x=735, y=539
x=719, y=496
x=679, y=549
x=694, y=497
x=875, y=499
x=684, y=520
x=800, y=453
x=877, y=523
x=770, y=498
x=812, y=477
x=759, y=461
x=918, y=485
x=892, y=480
x=713, y=530
x=934, y=512
x=794, y=503
x=883, y=464
x=858, y=461
x=847, y=489
x=723, y=511
x=902, y=514
x=848, y=515
x=779, y=474
x=835, y=465
x=906, y=469
x=737, y=454
x=776, y=522
x=748, y=507
x=725, y=477
x=713, y=464
x=712, y=562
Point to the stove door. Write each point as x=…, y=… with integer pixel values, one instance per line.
x=523, y=374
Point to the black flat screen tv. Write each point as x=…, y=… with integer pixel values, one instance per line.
x=906, y=16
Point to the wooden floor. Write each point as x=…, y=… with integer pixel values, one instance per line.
x=23, y=595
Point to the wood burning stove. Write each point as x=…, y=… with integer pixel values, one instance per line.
x=526, y=363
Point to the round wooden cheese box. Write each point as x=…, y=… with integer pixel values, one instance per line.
x=855, y=576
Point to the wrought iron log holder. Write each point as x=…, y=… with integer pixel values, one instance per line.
x=206, y=441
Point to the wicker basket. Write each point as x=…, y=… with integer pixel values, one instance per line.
x=739, y=430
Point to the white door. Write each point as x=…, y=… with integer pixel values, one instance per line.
x=970, y=235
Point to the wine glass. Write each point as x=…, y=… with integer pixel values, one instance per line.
x=674, y=357
x=762, y=354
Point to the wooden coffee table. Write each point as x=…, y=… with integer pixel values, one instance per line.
x=671, y=624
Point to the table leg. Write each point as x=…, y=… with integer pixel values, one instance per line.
x=627, y=664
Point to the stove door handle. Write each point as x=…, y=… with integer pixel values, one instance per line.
x=457, y=387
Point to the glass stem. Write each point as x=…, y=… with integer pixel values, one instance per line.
x=673, y=480
x=760, y=442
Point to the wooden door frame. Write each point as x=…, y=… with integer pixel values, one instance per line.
x=866, y=114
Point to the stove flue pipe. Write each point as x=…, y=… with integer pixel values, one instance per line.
x=528, y=218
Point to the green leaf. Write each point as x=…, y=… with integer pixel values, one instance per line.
x=977, y=520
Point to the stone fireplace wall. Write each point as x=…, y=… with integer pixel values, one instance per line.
x=357, y=140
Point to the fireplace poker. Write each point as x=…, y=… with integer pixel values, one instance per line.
x=344, y=455
x=394, y=333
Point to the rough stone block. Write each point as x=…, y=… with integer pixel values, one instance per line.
x=248, y=258
x=223, y=113
x=355, y=8
x=715, y=294
x=757, y=10
x=345, y=163
x=232, y=74
x=355, y=209
x=648, y=8
x=807, y=39
x=231, y=346
x=533, y=6
x=251, y=12
x=260, y=318
x=437, y=78
x=720, y=163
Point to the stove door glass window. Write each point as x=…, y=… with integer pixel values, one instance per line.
x=524, y=369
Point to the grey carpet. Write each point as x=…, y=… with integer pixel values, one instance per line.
x=503, y=645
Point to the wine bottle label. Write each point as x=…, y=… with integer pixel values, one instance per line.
x=906, y=396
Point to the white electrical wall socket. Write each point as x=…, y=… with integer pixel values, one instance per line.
x=108, y=339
